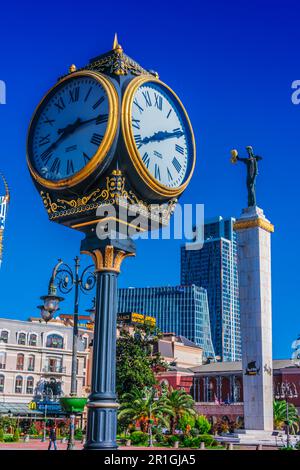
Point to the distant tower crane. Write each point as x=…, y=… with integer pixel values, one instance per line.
x=4, y=202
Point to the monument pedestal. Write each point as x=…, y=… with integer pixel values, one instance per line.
x=254, y=267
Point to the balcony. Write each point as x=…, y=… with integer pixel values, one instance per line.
x=54, y=370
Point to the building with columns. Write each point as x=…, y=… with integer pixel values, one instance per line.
x=35, y=359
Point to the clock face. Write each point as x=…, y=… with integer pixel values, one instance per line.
x=69, y=128
x=162, y=134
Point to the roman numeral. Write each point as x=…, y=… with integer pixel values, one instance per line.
x=101, y=118
x=55, y=166
x=96, y=139
x=169, y=113
x=45, y=156
x=158, y=101
x=170, y=177
x=138, y=140
x=136, y=123
x=157, y=154
x=137, y=104
x=146, y=95
x=146, y=159
x=179, y=149
x=71, y=148
x=157, y=172
x=70, y=167
x=88, y=94
x=44, y=140
x=86, y=157
x=48, y=121
x=97, y=104
x=74, y=94
x=176, y=164
x=60, y=104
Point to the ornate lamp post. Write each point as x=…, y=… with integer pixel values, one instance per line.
x=285, y=391
x=64, y=279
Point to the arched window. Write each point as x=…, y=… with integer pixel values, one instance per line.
x=20, y=362
x=2, y=381
x=31, y=362
x=4, y=336
x=29, y=385
x=2, y=360
x=85, y=341
x=32, y=339
x=22, y=338
x=55, y=341
x=19, y=384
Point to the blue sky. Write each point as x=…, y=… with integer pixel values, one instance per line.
x=231, y=63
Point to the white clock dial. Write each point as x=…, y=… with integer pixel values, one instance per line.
x=161, y=134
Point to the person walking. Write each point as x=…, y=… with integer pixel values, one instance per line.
x=52, y=438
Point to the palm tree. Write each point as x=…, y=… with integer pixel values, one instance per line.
x=181, y=403
x=145, y=406
x=280, y=415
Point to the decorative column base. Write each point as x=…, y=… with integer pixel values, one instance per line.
x=102, y=405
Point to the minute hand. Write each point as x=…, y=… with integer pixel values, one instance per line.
x=161, y=135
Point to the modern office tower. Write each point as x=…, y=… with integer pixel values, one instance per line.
x=182, y=310
x=214, y=267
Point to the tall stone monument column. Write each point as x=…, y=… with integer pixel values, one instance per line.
x=254, y=266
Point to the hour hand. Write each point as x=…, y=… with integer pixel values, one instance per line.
x=162, y=135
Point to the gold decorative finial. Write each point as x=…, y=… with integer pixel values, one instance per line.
x=72, y=68
x=116, y=46
x=234, y=154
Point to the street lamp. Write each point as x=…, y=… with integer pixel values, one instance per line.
x=286, y=390
x=64, y=279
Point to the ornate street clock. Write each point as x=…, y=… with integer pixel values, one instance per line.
x=110, y=133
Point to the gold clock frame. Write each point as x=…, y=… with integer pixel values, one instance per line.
x=127, y=130
x=110, y=133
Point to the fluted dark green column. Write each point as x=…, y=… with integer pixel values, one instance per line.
x=102, y=404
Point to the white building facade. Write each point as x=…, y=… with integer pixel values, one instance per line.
x=36, y=358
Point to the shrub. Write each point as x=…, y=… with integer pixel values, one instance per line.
x=138, y=437
x=194, y=432
x=78, y=434
x=173, y=438
x=186, y=422
x=188, y=441
x=1, y=435
x=202, y=424
x=8, y=438
x=33, y=430
x=16, y=436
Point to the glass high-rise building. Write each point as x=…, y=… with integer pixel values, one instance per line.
x=182, y=310
x=214, y=267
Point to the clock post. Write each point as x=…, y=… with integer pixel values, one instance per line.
x=110, y=146
x=102, y=405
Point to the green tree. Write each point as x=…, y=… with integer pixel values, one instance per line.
x=136, y=362
x=144, y=407
x=202, y=424
x=180, y=403
x=280, y=416
x=16, y=436
x=186, y=422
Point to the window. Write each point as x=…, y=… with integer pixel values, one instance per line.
x=2, y=380
x=22, y=338
x=4, y=336
x=29, y=385
x=31, y=362
x=2, y=360
x=55, y=341
x=77, y=366
x=20, y=361
x=19, y=384
x=32, y=339
x=85, y=342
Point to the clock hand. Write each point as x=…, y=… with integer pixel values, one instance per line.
x=78, y=123
x=161, y=135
